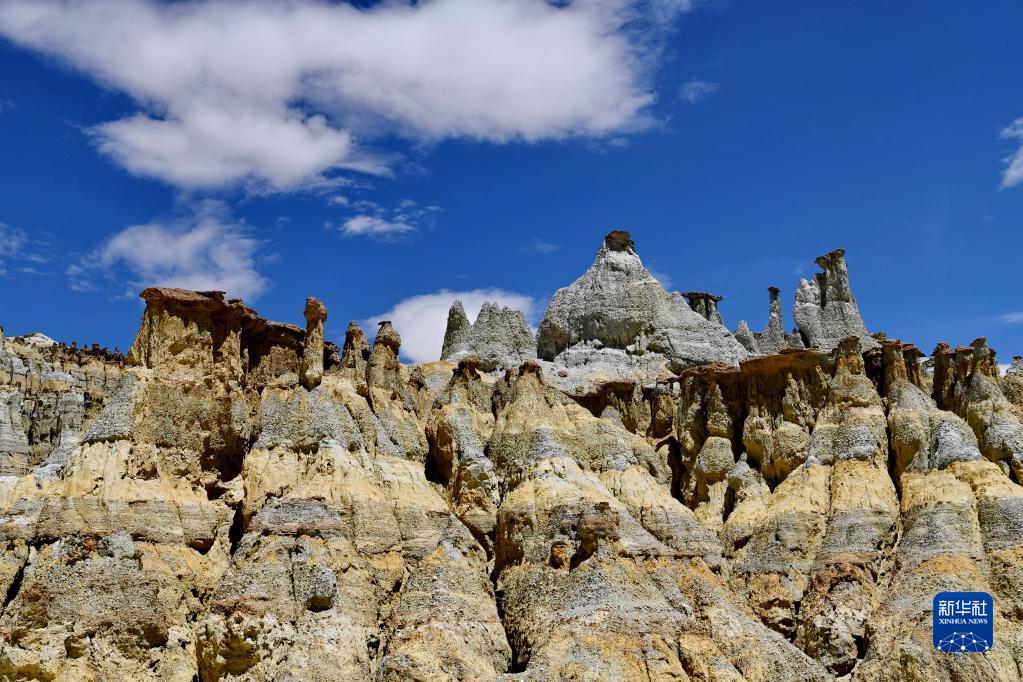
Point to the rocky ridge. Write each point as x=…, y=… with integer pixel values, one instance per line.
x=236, y=499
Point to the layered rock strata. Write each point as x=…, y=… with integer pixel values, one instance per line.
x=230, y=503
x=49, y=393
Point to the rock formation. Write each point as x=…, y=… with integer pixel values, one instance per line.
x=774, y=337
x=705, y=304
x=313, y=348
x=356, y=351
x=825, y=310
x=499, y=337
x=226, y=504
x=618, y=304
x=49, y=394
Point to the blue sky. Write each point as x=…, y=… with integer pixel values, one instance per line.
x=381, y=158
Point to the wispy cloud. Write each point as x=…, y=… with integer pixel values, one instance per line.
x=695, y=90
x=12, y=241
x=373, y=220
x=421, y=320
x=280, y=96
x=205, y=250
x=539, y=246
x=373, y=226
x=18, y=247
x=6, y=105
x=1013, y=173
x=1012, y=318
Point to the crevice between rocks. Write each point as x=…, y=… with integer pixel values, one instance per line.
x=15, y=587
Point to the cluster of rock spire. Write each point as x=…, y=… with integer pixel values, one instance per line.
x=618, y=304
x=499, y=337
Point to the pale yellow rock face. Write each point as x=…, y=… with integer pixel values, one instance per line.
x=233, y=501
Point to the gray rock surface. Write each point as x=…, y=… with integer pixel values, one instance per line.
x=774, y=338
x=500, y=337
x=745, y=336
x=457, y=335
x=618, y=304
x=825, y=309
x=49, y=392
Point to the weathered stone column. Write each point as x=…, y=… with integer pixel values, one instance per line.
x=312, y=353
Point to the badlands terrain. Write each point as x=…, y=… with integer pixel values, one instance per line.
x=635, y=493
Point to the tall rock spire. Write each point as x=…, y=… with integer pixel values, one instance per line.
x=312, y=353
x=825, y=309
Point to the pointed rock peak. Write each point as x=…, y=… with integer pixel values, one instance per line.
x=745, y=336
x=617, y=304
x=500, y=337
x=354, y=331
x=1016, y=368
x=457, y=335
x=356, y=351
x=619, y=240
x=457, y=311
x=388, y=336
x=825, y=309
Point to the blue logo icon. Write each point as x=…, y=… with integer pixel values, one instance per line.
x=964, y=622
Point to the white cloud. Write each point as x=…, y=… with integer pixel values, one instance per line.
x=278, y=94
x=373, y=226
x=539, y=246
x=421, y=320
x=204, y=251
x=12, y=241
x=374, y=220
x=1012, y=318
x=695, y=90
x=16, y=246
x=1013, y=173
